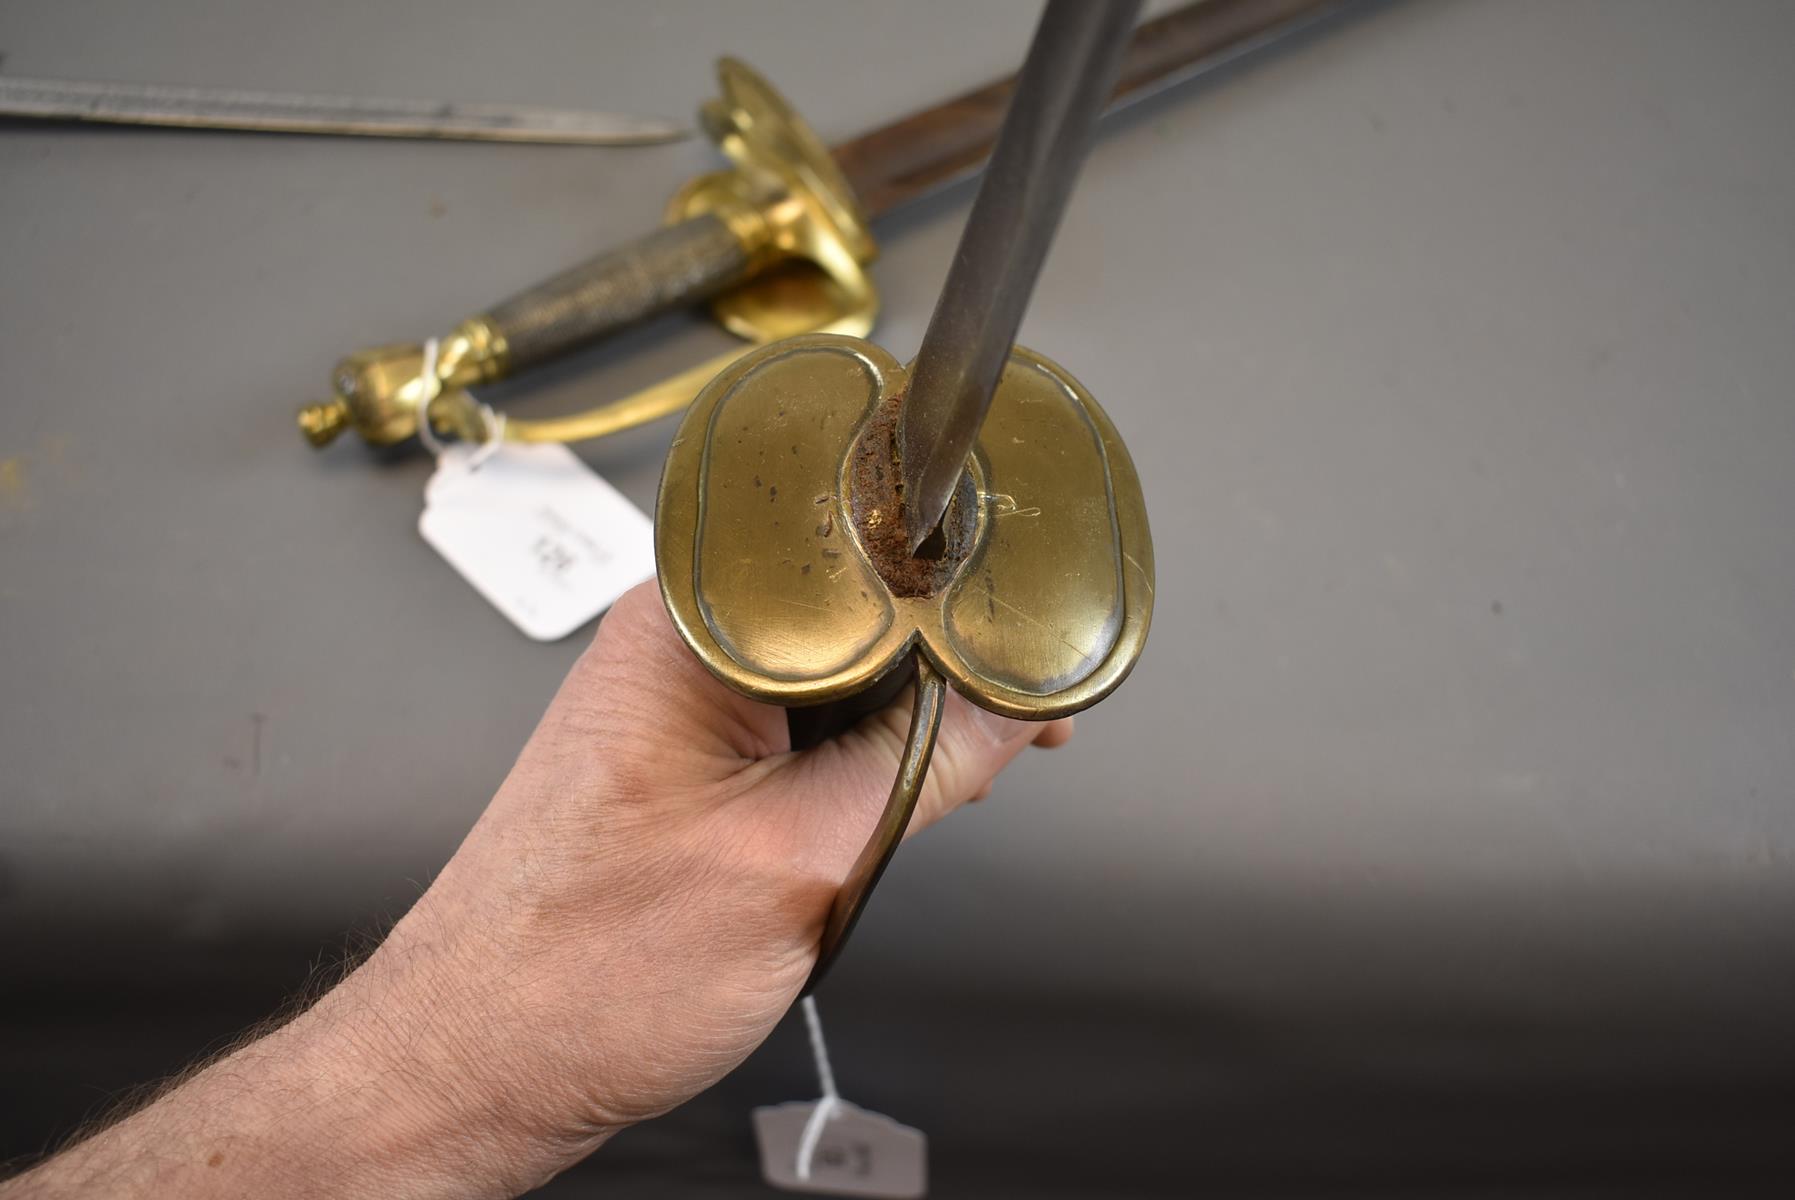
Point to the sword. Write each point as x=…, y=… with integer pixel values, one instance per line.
x=780, y=527
x=1071, y=66
x=1069, y=70
x=779, y=244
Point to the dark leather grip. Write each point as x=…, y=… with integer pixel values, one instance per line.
x=818, y=723
x=679, y=265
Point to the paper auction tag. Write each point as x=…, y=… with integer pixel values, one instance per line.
x=859, y=1153
x=537, y=533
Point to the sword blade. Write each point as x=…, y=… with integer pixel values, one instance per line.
x=1068, y=75
x=919, y=155
x=277, y=112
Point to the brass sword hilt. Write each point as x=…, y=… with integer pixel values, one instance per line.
x=777, y=244
x=782, y=559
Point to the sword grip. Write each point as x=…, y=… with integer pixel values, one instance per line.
x=818, y=723
x=670, y=268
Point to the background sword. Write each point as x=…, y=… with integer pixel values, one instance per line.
x=705, y=255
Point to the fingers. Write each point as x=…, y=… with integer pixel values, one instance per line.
x=638, y=688
x=837, y=790
x=974, y=746
x=642, y=700
x=1055, y=734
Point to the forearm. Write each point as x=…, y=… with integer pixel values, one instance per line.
x=368, y=1093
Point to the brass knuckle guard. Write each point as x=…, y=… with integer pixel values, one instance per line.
x=783, y=593
x=788, y=206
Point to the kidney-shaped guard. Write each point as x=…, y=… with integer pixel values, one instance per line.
x=769, y=581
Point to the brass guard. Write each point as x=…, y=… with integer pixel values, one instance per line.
x=773, y=588
x=1040, y=611
x=787, y=199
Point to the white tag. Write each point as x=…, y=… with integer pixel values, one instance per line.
x=537, y=533
x=860, y=1153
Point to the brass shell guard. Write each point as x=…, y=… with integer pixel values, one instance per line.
x=788, y=204
x=770, y=584
x=768, y=566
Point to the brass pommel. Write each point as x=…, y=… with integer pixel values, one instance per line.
x=322, y=422
x=379, y=391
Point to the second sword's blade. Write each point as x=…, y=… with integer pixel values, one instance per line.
x=918, y=155
x=1068, y=75
x=359, y=116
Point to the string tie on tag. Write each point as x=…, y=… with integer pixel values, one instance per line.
x=427, y=392
x=430, y=387
x=825, y=1108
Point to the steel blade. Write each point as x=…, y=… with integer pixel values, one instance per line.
x=1067, y=77
x=214, y=108
x=918, y=155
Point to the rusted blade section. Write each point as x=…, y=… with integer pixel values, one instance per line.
x=926, y=151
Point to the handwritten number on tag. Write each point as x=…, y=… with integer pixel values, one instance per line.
x=860, y=1153
x=553, y=556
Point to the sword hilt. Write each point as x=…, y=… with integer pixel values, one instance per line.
x=682, y=264
x=741, y=238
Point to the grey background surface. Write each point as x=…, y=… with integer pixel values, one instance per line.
x=1442, y=838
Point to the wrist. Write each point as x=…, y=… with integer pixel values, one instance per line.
x=443, y=1103
x=342, y=1101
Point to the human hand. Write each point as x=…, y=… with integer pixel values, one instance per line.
x=644, y=897
x=634, y=911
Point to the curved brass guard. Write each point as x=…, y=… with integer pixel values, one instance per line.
x=906, y=789
x=670, y=395
x=662, y=399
